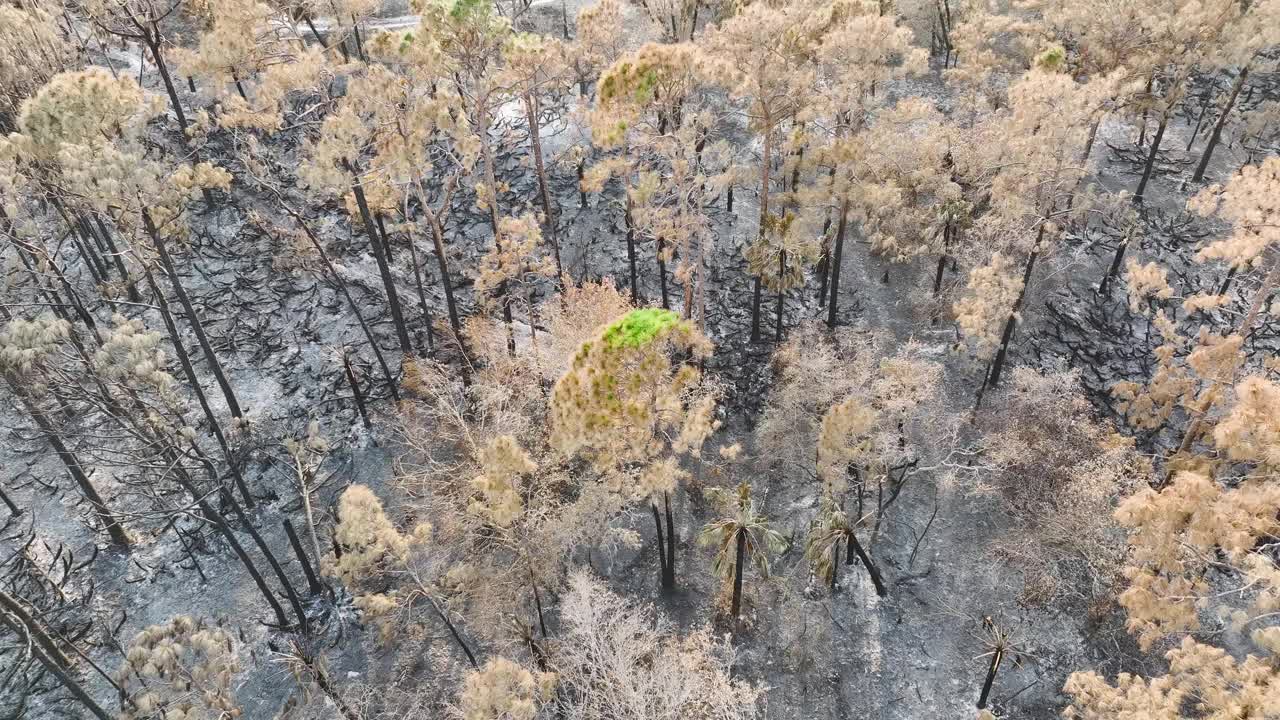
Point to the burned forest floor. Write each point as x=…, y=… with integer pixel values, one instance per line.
x=282, y=329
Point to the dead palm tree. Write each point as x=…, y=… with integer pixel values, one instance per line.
x=999, y=644
x=742, y=535
x=832, y=530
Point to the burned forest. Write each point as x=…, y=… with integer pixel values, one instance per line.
x=639, y=359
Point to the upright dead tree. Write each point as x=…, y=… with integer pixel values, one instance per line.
x=26, y=346
x=859, y=52
x=640, y=106
x=1162, y=43
x=537, y=70
x=92, y=126
x=342, y=162
x=139, y=21
x=1254, y=32
x=760, y=56
x=1046, y=128
x=372, y=547
x=470, y=37
x=33, y=48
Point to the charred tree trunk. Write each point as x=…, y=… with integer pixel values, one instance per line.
x=118, y=254
x=662, y=547
x=69, y=459
x=837, y=261
x=381, y=256
x=544, y=194
x=271, y=560
x=457, y=637
x=947, y=236
x=855, y=547
x=823, y=269
x=108, y=246
x=994, y=667
x=997, y=365
x=1151, y=159
x=765, y=168
x=1204, y=110
x=739, y=560
x=355, y=31
x=313, y=581
x=756, y=293
x=355, y=389
x=1216, y=135
x=782, y=297
x=662, y=274
x=669, y=567
x=192, y=318
x=351, y=303
x=53, y=660
x=631, y=251
x=437, y=241
x=537, y=603
x=151, y=38
x=1243, y=329
x=311, y=25
x=835, y=566
x=1105, y=286
x=184, y=360
x=220, y=524
x=14, y=510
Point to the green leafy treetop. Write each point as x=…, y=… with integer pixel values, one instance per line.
x=638, y=327
x=627, y=392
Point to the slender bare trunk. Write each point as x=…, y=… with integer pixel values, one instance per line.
x=192, y=318
x=739, y=561
x=48, y=654
x=1139, y=194
x=1216, y=135
x=544, y=194
x=837, y=262
x=69, y=459
x=382, y=256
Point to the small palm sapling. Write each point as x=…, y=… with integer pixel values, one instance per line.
x=843, y=441
x=740, y=537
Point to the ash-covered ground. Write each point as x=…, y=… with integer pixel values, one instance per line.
x=280, y=326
